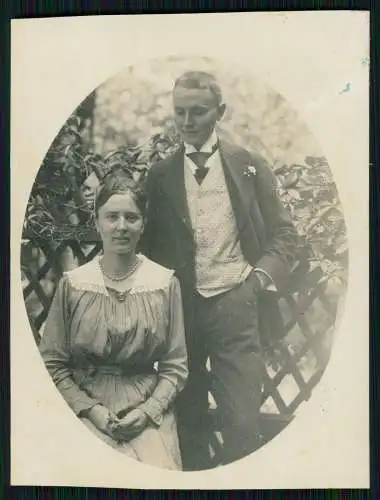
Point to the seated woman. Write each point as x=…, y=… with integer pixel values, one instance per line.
x=114, y=339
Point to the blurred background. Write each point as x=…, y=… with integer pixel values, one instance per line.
x=136, y=104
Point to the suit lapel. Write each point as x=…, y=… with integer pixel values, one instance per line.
x=234, y=166
x=173, y=183
x=239, y=188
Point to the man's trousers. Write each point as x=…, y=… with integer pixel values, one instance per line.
x=224, y=329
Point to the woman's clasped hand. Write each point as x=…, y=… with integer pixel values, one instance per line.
x=120, y=429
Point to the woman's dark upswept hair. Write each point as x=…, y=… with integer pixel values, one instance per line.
x=119, y=180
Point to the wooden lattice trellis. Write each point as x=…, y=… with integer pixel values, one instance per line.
x=304, y=291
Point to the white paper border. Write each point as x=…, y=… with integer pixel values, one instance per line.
x=309, y=57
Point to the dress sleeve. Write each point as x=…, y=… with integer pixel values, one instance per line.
x=172, y=367
x=55, y=352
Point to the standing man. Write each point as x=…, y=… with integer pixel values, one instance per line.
x=214, y=217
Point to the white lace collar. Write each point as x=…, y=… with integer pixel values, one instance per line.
x=149, y=277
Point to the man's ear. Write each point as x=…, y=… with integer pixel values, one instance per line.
x=222, y=109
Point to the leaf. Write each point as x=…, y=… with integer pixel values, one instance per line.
x=294, y=194
x=68, y=149
x=290, y=181
x=314, y=161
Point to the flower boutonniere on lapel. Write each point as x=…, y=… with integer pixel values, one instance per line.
x=250, y=171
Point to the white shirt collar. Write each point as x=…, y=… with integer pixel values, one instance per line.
x=207, y=146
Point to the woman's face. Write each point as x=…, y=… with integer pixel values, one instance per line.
x=120, y=224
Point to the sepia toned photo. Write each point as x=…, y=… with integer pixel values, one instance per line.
x=184, y=262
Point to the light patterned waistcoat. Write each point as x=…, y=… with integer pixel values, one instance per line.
x=219, y=261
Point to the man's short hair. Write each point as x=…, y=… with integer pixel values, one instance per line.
x=200, y=80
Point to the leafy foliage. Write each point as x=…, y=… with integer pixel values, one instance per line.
x=310, y=195
x=60, y=206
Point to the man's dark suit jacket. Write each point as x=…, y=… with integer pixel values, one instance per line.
x=267, y=236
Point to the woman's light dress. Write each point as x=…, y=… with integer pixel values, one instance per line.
x=100, y=346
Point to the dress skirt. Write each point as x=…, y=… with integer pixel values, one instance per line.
x=154, y=446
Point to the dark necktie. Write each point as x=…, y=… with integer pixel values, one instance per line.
x=200, y=158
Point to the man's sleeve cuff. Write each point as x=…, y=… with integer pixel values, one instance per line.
x=271, y=287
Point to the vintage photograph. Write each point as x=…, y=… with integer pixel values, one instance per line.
x=184, y=262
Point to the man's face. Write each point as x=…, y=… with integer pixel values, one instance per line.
x=196, y=112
